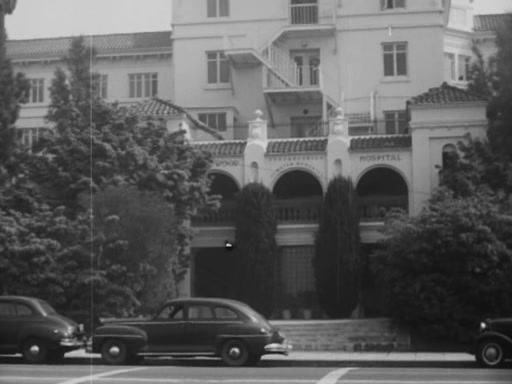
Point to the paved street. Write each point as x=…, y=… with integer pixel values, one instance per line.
x=209, y=371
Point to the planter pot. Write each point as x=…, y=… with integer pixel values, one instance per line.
x=307, y=314
x=287, y=314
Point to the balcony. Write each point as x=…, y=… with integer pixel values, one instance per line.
x=306, y=211
x=308, y=18
x=375, y=208
x=293, y=211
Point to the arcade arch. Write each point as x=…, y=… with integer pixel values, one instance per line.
x=379, y=190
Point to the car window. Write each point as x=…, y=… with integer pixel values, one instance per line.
x=225, y=313
x=171, y=312
x=47, y=308
x=23, y=310
x=198, y=311
x=7, y=310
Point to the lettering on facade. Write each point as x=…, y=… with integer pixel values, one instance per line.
x=227, y=163
x=304, y=163
x=380, y=157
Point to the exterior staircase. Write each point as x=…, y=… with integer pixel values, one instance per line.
x=344, y=335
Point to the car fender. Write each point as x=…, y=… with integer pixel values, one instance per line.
x=135, y=338
x=495, y=335
x=252, y=337
x=41, y=331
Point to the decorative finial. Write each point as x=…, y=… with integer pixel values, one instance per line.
x=258, y=114
x=339, y=112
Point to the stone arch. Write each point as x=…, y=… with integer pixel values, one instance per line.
x=381, y=188
x=297, y=183
x=223, y=184
x=449, y=156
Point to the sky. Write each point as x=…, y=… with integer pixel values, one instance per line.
x=51, y=18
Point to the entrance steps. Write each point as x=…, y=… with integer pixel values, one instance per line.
x=344, y=335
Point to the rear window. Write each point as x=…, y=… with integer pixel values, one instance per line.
x=47, y=308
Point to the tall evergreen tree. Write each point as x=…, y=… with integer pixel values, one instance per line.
x=337, y=252
x=255, y=255
x=494, y=79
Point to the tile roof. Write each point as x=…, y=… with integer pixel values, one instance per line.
x=223, y=148
x=490, y=22
x=297, y=145
x=381, y=142
x=445, y=94
x=122, y=43
x=159, y=108
x=154, y=108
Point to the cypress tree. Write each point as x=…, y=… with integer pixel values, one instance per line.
x=336, y=262
x=255, y=251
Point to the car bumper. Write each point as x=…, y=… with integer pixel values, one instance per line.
x=72, y=343
x=283, y=348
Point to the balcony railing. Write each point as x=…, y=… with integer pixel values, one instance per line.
x=306, y=210
x=287, y=212
x=304, y=13
x=369, y=128
x=375, y=208
x=306, y=76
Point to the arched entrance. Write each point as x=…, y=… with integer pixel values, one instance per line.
x=212, y=265
x=380, y=189
x=298, y=200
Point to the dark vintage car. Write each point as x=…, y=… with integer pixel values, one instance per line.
x=191, y=327
x=493, y=345
x=30, y=326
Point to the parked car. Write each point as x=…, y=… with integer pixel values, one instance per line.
x=191, y=327
x=494, y=343
x=30, y=326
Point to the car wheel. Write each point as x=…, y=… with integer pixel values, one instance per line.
x=235, y=353
x=114, y=352
x=35, y=351
x=490, y=354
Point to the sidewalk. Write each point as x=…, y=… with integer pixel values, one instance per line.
x=343, y=357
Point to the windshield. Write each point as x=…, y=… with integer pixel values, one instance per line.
x=47, y=308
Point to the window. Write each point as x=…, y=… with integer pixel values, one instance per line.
x=30, y=136
x=143, y=85
x=214, y=120
x=7, y=310
x=449, y=156
x=224, y=313
x=395, y=59
x=218, y=8
x=456, y=67
x=392, y=4
x=463, y=67
x=23, y=310
x=171, y=312
x=102, y=86
x=201, y=312
x=218, y=68
x=396, y=122
x=449, y=66
x=36, y=91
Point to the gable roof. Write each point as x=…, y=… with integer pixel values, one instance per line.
x=112, y=44
x=490, y=22
x=445, y=94
x=159, y=108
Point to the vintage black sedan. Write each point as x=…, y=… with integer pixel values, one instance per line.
x=191, y=327
x=494, y=343
x=30, y=326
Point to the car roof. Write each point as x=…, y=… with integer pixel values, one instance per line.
x=209, y=300
x=25, y=299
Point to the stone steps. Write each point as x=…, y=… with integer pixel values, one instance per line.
x=344, y=335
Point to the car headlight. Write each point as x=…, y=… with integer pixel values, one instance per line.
x=483, y=326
